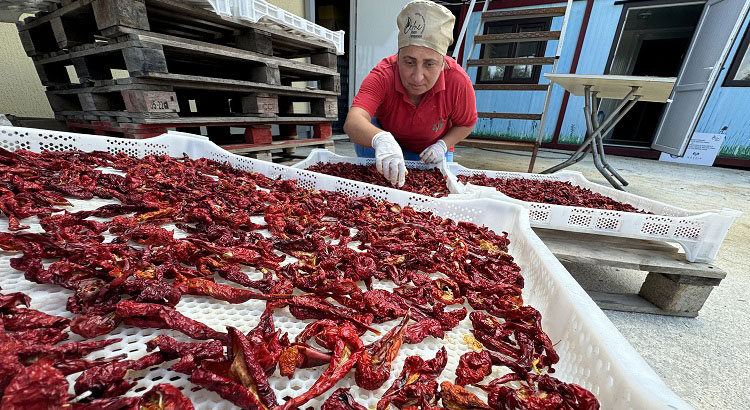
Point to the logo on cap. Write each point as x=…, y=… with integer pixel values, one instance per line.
x=414, y=25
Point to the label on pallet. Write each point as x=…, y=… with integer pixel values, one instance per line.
x=159, y=101
x=150, y=101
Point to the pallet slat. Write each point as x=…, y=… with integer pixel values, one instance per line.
x=498, y=15
x=511, y=61
x=672, y=286
x=517, y=37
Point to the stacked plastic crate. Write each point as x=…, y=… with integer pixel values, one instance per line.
x=136, y=68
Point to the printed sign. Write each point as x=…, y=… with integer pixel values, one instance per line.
x=701, y=150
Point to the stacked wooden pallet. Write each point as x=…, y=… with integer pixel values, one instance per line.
x=143, y=67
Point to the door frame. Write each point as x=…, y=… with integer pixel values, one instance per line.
x=627, y=6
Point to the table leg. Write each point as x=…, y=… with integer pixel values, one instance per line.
x=577, y=156
x=598, y=139
x=601, y=135
x=591, y=131
x=596, y=150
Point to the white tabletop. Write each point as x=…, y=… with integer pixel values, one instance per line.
x=655, y=89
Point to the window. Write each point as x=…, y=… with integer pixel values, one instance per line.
x=515, y=74
x=739, y=71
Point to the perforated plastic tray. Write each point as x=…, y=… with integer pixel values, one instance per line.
x=700, y=233
x=592, y=352
x=259, y=10
x=320, y=155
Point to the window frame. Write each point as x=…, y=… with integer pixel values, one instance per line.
x=742, y=51
x=544, y=22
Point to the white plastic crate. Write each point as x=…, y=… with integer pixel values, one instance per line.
x=700, y=233
x=255, y=10
x=319, y=155
x=221, y=7
x=592, y=352
x=11, y=10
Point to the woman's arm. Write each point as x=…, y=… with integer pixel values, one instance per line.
x=359, y=127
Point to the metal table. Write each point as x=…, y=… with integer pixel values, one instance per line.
x=594, y=87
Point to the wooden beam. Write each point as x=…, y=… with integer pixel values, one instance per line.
x=517, y=37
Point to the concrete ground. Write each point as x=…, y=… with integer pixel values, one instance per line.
x=704, y=360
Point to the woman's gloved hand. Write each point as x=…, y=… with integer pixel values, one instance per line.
x=434, y=153
x=389, y=159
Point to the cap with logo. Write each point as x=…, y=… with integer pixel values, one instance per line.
x=427, y=24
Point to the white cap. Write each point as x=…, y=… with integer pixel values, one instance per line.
x=427, y=24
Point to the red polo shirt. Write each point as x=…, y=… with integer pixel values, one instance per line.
x=449, y=103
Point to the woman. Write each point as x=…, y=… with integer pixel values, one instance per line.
x=417, y=101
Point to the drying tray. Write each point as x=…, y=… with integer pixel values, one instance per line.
x=700, y=233
x=592, y=352
x=321, y=155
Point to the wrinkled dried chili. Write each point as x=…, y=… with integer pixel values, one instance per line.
x=119, y=282
x=430, y=182
x=549, y=192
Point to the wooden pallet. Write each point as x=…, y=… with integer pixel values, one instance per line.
x=176, y=96
x=672, y=287
x=85, y=21
x=144, y=54
x=257, y=140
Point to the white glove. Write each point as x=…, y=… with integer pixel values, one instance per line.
x=434, y=153
x=389, y=159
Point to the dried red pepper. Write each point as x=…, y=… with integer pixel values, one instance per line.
x=190, y=354
x=267, y=342
x=39, y=386
x=164, y=317
x=430, y=182
x=549, y=192
x=164, y=397
x=374, y=365
x=314, y=307
x=394, y=242
x=416, y=385
x=112, y=403
x=473, y=367
x=227, y=389
x=25, y=319
x=455, y=397
x=541, y=392
x=246, y=369
x=109, y=380
x=301, y=356
x=347, y=348
x=341, y=400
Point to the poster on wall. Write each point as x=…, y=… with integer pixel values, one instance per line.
x=701, y=150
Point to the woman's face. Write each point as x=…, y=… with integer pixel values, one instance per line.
x=419, y=68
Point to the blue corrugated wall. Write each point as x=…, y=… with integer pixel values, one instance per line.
x=727, y=106
x=603, y=22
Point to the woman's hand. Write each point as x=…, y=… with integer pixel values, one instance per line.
x=389, y=159
x=434, y=153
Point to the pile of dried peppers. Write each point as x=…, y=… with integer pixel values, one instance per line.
x=122, y=267
x=428, y=182
x=549, y=192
